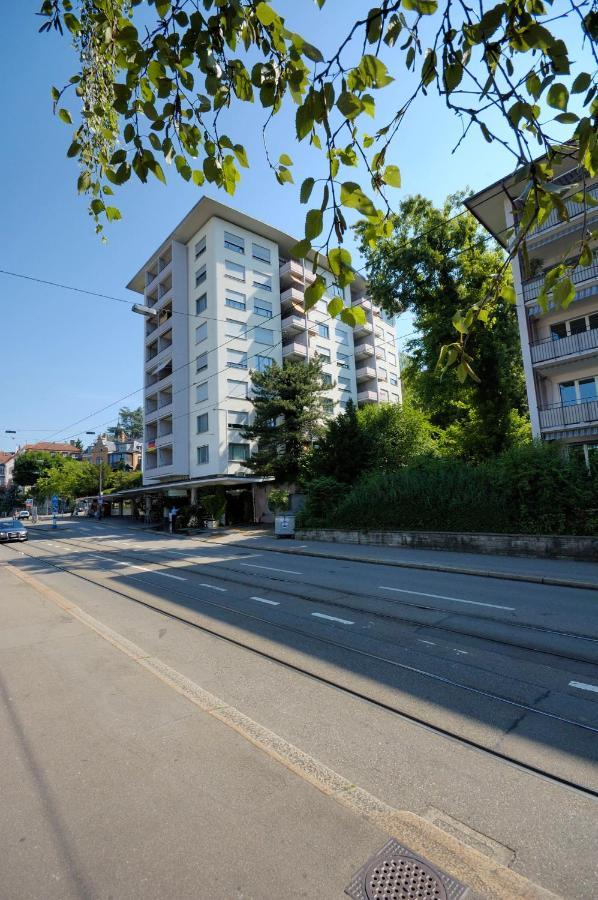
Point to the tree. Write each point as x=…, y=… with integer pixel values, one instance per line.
x=31, y=466
x=130, y=421
x=288, y=417
x=71, y=478
x=161, y=84
x=438, y=277
x=343, y=451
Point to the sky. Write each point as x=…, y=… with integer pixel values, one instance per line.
x=70, y=359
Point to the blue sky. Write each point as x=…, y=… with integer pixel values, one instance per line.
x=68, y=354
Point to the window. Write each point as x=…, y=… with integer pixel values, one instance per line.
x=344, y=405
x=587, y=389
x=201, y=304
x=262, y=307
x=201, y=392
x=202, y=362
x=235, y=299
x=202, y=423
x=203, y=455
x=200, y=276
x=236, y=389
x=326, y=379
x=236, y=359
x=393, y=380
x=237, y=418
x=264, y=335
x=232, y=242
x=379, y=333
x=558, y=331
x=392, y=358
x=384, y=396
x=322, y=305
x=334, y=290
x=323, y=330
x=344, y=383
x=259, y=252
x=234, y=270
x=238, y=452
x=323, y=353
x=343, y=360
x=200, y=247
x=262, y=281
x=235, y=329
x=568, y=393
x=383, y=374
x=577, y=326
x=342, y=338
x=201, y=332
x=328, y=405
x=263, y=362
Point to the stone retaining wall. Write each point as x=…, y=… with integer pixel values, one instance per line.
x=539, y=545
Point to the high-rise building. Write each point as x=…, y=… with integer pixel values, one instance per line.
x=559, y=346
x=228, y=300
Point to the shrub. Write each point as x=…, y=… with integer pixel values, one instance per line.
x=214, y=505
x=323, y=496
x=278, y=500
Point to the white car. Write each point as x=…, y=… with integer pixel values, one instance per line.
x=23, y=514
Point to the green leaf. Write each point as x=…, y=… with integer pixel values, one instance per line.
x=241, y=155
x=304, y=120
x=266, y=14
x=156, y=168
x=335, y=306
x=507, y=293
x=353, y=197
x=314, y=292
x=283, y=174
x=349, y=104
x=586, y=256
x=581, y=83
x=129, y=132
x=306, y=189
x=423, y=7
x=314, y=222
x=285, y=159
x=338, y=259
x=359, y=315
x=392, y=176
x=312, y=52
x=348, y=317
x=558, y=96
x=374, y=25
x=301, y=249
x=112, y=213
x=73, y=150
x=198, y=177
x=97, y=206
x=563, y=293
x=65, y=116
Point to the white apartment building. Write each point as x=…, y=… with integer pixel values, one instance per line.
x=228, y=300
x=560, y=346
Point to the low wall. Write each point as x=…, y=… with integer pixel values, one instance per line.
x=540, y=545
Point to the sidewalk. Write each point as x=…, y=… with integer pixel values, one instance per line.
x=558, y=572
x=114, y=785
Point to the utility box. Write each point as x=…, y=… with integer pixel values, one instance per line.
x=284, y=526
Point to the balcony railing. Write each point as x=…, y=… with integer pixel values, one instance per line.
x=583, y=412
x=574, y=209
x=532, y=288
x=543, y=351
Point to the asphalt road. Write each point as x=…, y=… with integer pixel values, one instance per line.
x=471, y=696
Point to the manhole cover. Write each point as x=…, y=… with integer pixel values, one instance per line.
x=396, y=873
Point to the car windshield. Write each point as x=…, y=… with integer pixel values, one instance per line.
x=8, y=523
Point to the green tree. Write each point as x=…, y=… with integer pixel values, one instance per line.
x=288, y=417
x=343, y=451
x=159, y=81
x=122, y=480
x=71, y=478
x=438, y=278
x=32, y=465
x=130, y=421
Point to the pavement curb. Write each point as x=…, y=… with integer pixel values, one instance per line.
x=481, y=873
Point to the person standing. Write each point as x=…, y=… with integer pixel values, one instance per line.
x=172, y=518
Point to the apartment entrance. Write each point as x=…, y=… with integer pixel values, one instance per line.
x=239, y=506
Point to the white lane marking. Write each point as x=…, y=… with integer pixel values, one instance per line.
x=383, y=587
x=333, y=619
x=460, y=651
x=128, y=565
x=584, y=687
x=421, y=641
x=166, y=575
x=263, y=600
x=213, y=587
x=271, y=568
x=249, y=556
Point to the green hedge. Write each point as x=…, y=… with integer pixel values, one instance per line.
x=532, y=489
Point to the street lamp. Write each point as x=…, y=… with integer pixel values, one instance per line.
x=9, y=431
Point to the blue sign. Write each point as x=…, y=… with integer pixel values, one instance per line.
x=54, y=504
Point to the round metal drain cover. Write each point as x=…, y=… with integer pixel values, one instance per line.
x=398, y=877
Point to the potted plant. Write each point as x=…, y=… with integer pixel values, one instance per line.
x=284, y=522
x=214, y=505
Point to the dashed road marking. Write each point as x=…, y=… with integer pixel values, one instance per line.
x=270, y=568
x=421, y=641
x=584, y=687
x=263, y=600
x=213, y=587
x=383, y=587
x=333, y=619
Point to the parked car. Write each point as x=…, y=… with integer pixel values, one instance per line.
x=23, y=514
x=12, y=530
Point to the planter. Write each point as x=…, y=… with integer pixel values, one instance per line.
x=284, y=526
x=212, y=523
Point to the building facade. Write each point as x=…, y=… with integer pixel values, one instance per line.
x=54, y=448
x=559, y=346
x=227, y=299
x=7, y=464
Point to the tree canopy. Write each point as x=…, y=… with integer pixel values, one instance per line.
x=288, y=417
x=438, y=277
x=157, y=83
x=130, y=421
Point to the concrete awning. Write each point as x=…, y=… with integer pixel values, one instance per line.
x=226, y=481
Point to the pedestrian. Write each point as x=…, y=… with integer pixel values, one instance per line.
x=172, y=518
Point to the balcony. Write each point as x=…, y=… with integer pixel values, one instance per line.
x=574, y=210
x=294, y=351
x=562, y=349
x=533, y=286
x=365, y=373
x=583, y=412
x=293, y=324
x=361, y=331
x=364, y=397
x=364, y=351
x=291, y=272
x=292, y=298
